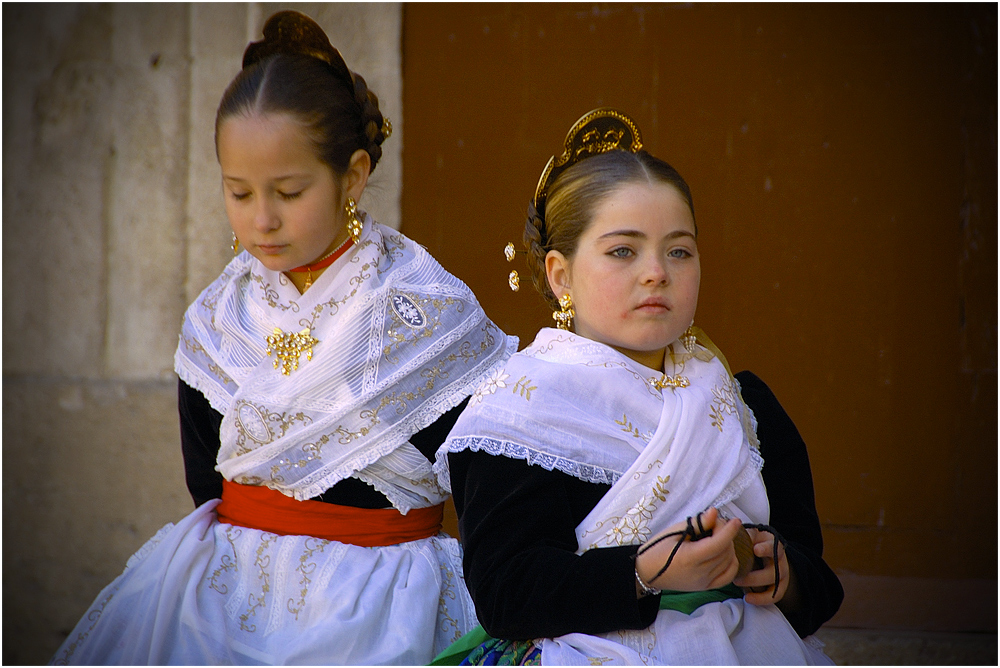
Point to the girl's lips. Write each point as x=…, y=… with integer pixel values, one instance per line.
x=652, y=305
x=271, y=249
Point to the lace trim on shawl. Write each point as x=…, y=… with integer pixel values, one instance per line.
x=583, y=471
x=428, y=413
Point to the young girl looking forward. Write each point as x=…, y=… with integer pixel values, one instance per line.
x=318, y=375
x=604, y=476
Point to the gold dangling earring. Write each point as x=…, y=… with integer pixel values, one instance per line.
x=236, y=245
x=688, y=338
x=564, y=317
x=353, y=224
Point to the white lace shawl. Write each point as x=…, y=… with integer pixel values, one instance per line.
x=570, y=404
x=400, y=341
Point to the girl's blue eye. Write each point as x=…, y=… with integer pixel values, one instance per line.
x=680, y=253
x=621, y=251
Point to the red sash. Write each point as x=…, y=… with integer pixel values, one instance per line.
x=269, y=510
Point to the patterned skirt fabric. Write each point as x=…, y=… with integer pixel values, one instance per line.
x=208, y=593
x=497, y=652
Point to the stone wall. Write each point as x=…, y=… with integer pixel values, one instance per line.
x=112, y=223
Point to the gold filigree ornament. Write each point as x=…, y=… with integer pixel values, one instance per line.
x=673, y=382
x=353, y=222
x=564, y=316
x=689, y=338
x=513, y=280
x=287, y=347
x=597, y=132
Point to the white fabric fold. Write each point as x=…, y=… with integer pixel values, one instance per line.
x=399, y=342
x=670, y=454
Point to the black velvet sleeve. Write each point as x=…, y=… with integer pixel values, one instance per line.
x=788, y=479
x=199, y=443
x=517, y=524
x=200, y=425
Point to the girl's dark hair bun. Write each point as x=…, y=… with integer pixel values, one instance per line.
x=294, y=33
x=295, y=69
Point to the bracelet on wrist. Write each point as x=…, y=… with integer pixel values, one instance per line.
x=646, y=589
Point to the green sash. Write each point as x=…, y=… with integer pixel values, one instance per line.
x=682, y=601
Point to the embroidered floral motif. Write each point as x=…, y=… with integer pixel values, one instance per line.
x=226, y=563
x=195, y=346
x=306, y=568
x=259, y=425
x=257, y=602
x=524, y=387
x=724, y=402
x=633, y=527
x=447, y=622
x=492, y=384
x=627, y=427
x=270, y=295
x=411, y=311
x=411, y=314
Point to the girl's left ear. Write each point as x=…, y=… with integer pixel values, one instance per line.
x=356, y=177
x=557, y=272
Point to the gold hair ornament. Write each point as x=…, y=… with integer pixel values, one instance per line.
x=513, y=280
x=386, y=128
x=598, y=131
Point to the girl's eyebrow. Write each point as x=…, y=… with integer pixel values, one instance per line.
x=642, y=235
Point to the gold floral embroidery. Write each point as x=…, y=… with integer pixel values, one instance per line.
x=412, y=314
x=447, y=593
x=195, y=347
x=633, y=527
x=211, y=300
x=310, y=451
x=524, y=387
x=226, y=563
x=723, y=403
x=258, y=602
x=270, y=295
x=627, y=427
x=258, y=424
x=306, y=569
x=93, y=616
x=467, y=353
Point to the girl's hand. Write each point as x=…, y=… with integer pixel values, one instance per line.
x=760, y=583
x=707, y=563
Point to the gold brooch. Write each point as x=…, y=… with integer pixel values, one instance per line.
x=288, y=347
x=670, y=381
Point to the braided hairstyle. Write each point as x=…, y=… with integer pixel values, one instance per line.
x=574, y=196
x=295, y=70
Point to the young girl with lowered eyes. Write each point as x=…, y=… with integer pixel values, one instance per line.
x=318, y=376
